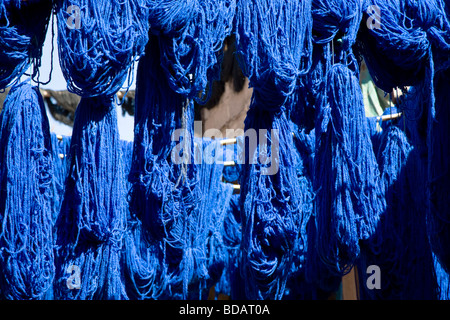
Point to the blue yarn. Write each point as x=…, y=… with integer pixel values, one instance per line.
x=141, y=259
x=443, y=280
x=397, y=52
x=401, y=239
x=23, y=26
x=335, y=19
x=387, y=248
x=349, y=197
x=61, y=165
x=274, y=210
x=151, y=174
x=206, y=225
x=163, y=194
x=309, y=277
x=230, y=283
x=412, y=48
x=26, y=241
x=273, y=41
x=91, y=223
x=145, y=277
x=183, y=62
x=439, y=170
x=191, y=36
x=97, y=57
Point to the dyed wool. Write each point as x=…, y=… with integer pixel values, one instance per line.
x=273, y=41
x=412, y=48
x=191, y=37
x=205, y=226
x=26, y=170
x=183, y=61
x=60, y=150
x=92, y=220
x=164, y=183
x=401, y=237
x=98, y=42
x=23, y=25
x=349, y=196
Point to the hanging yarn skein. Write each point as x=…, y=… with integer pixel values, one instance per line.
x=412, y=48
x=26, y=166
x=162, y=191
x=401, y=238
x=273, y=41
x=205, y=244
x=99, y=41
x=183, y=51
x=91, y=223
x=349, y=194
x=60, y=149
x=191, y=36
x=23, y=25
x=438, y=136
x=397, y=52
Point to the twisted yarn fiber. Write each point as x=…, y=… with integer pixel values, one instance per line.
x=23, y=26
x=349, y=197
x=140, y=258
x=61, y=165
x=163, y=193
x=157, y=116
x=191, y=36
x=92, y=220
x=207, y=242
x=398, y=52
x=183, y=56
x=273, y=41
x=97, y=56
x=415, y=38
x=349, y=194
x=26, y=167
x=401, y=237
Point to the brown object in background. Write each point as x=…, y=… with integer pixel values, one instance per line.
x=350, y=285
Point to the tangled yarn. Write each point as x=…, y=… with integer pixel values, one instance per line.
x=23, y=25
x=191, y=36
x=26, y=171
x=273, y=42
x=98, y=42
x=92, y=219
